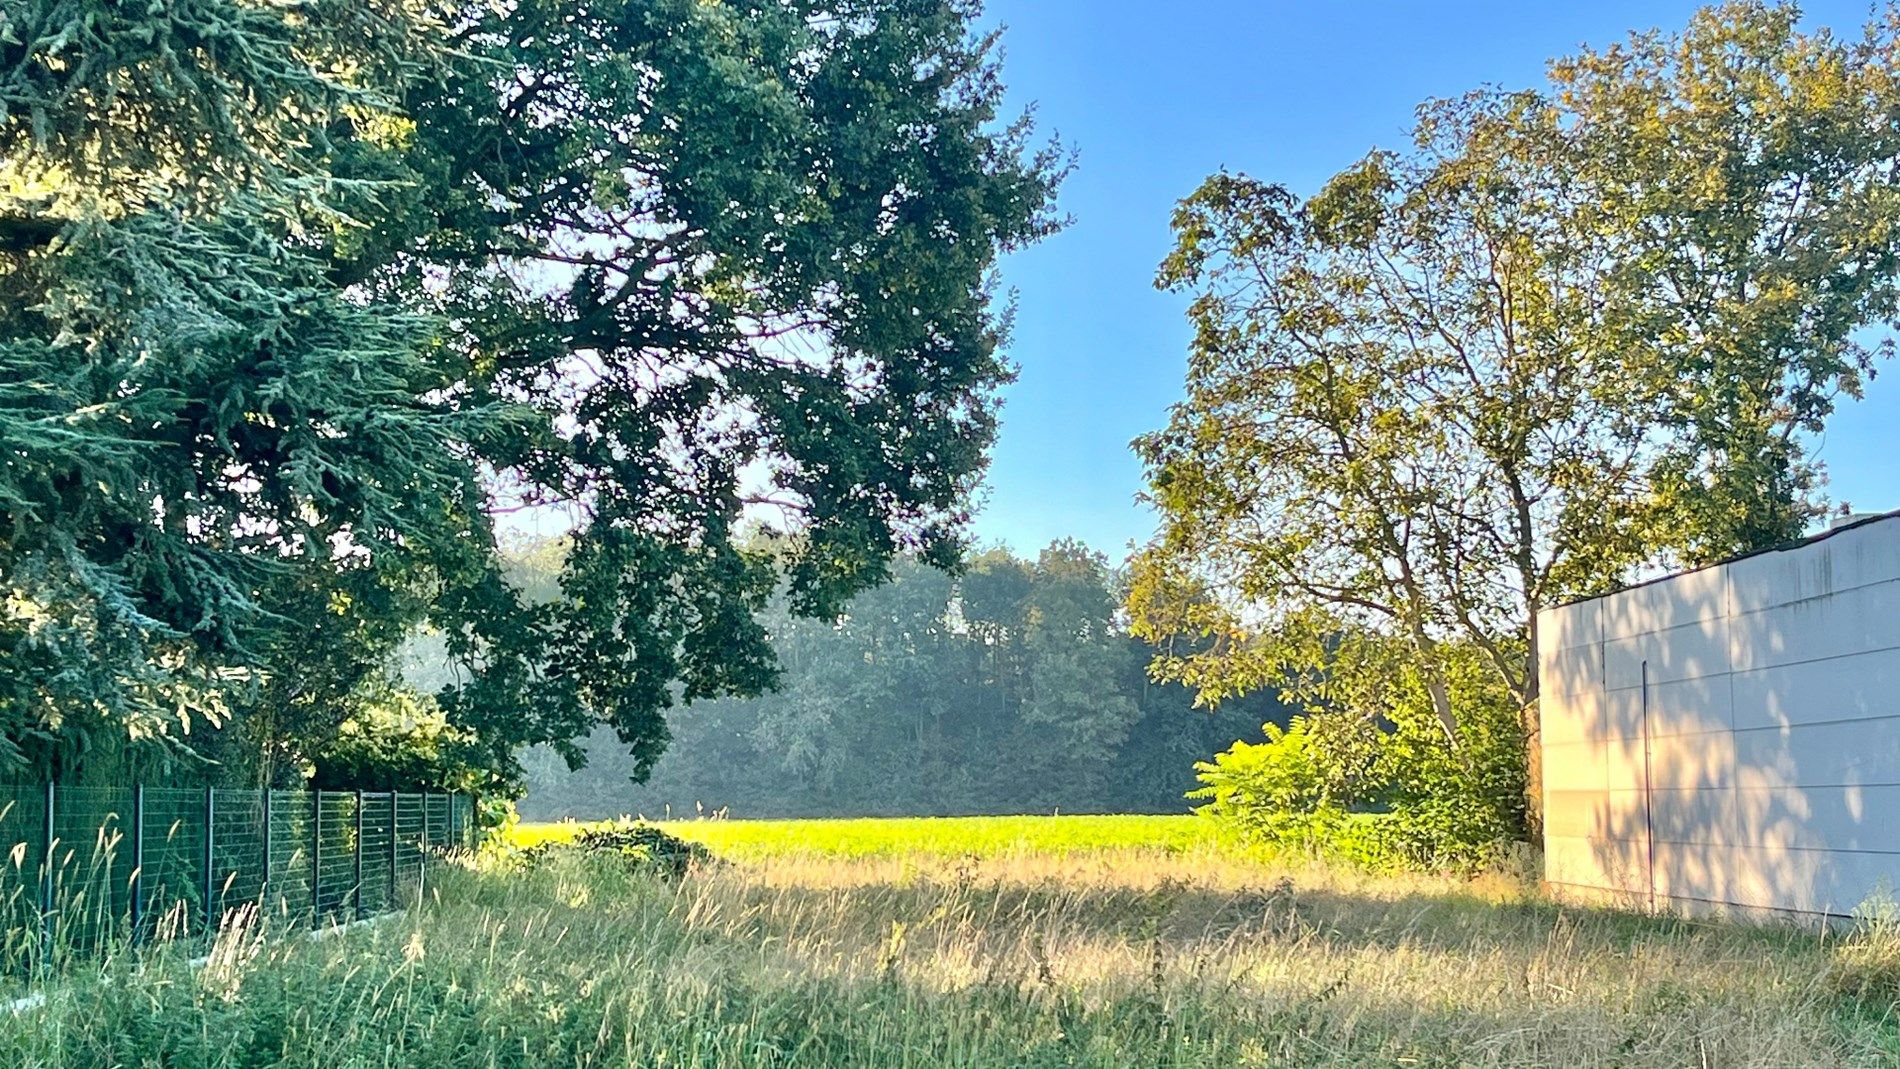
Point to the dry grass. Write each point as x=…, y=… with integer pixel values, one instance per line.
x=1304, y=966
x=1113, y=956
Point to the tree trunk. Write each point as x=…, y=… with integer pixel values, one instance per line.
x=1435, y=684
x=1531, y=715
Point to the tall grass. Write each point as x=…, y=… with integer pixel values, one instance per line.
x=1116, y=955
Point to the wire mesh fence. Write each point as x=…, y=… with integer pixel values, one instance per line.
x=85, y=867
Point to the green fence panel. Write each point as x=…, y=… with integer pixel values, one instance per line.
x=172, y=880
x=85, y=868
x=288, y=894
x=88, y=892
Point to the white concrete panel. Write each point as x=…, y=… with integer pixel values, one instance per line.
x=1577, y=670
x=1623, y=713
x=1744, y=875
x=1850, y=883
x=1622, y=816
x=1808, y=755
x=1863, y=556
x=1687, y=706
x=1782, y=577
x=1852, y=818
x=1768, y=773
x=1692, y=761
x=1678, y=601
x=1688, y=817
x=1626, y=764
x=1695, y=707
x=1690, y=651
x=1591, y=863
x=1774, y=879
x=1702, y=872
x=1569, y=626
x=1809, y=881
x=1570, y=717
x=1577, y=814
x=1832, y=625
x=1576, y=766
x=1838, y=688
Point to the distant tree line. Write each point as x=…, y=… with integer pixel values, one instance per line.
x=1012, y=687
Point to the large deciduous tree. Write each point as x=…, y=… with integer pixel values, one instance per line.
x=296, y=300
x=1565, y=334
x=1740, y=190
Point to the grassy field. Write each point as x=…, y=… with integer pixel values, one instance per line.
x=1021, y=942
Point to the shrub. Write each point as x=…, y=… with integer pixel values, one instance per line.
x=1372, y=779
x=398, y=739
x=641, y=847
x=1454, y=808
x=1285, y=791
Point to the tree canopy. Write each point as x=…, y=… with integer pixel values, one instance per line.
x=1566, y=334
x=296, y=301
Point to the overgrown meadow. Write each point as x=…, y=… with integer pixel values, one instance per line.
x=1065, y=941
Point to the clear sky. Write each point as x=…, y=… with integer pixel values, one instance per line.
x=1154, y=97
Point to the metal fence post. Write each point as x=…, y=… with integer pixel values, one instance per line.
x=316, y=856
x=138, y=862
x=359, y=855
x=422, y=848
x=263, y=882
x=390, y=897
x=211, y=845
x=46, y=882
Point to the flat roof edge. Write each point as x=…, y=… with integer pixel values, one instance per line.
x=1780, y=547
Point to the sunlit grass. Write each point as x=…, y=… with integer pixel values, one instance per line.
x=853, y=944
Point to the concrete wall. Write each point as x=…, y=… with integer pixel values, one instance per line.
x=1730, y=737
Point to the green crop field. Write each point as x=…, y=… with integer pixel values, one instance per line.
x=924, y=836
x=986, y=942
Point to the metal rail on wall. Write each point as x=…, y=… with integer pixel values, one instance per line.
x=83, y=868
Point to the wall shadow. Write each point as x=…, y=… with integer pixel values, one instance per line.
x=1728, y=740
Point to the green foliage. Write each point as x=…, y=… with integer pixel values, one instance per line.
x=1009, y=687
x=1565, y=334
x=1377, y=783
x=294, y=299
x=1279, y=791
x=639, y=846
x=1736, y=184
x=399, y=740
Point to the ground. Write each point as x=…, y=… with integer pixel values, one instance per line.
x=1040, y=941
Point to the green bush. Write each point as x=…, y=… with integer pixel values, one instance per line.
x=1378, y=784
x=641, y=847
x=1283, y=791
x=1273, y=793
x=398, y=739
x=1454, y=808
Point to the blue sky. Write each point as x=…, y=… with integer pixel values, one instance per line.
x=1156, y=97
